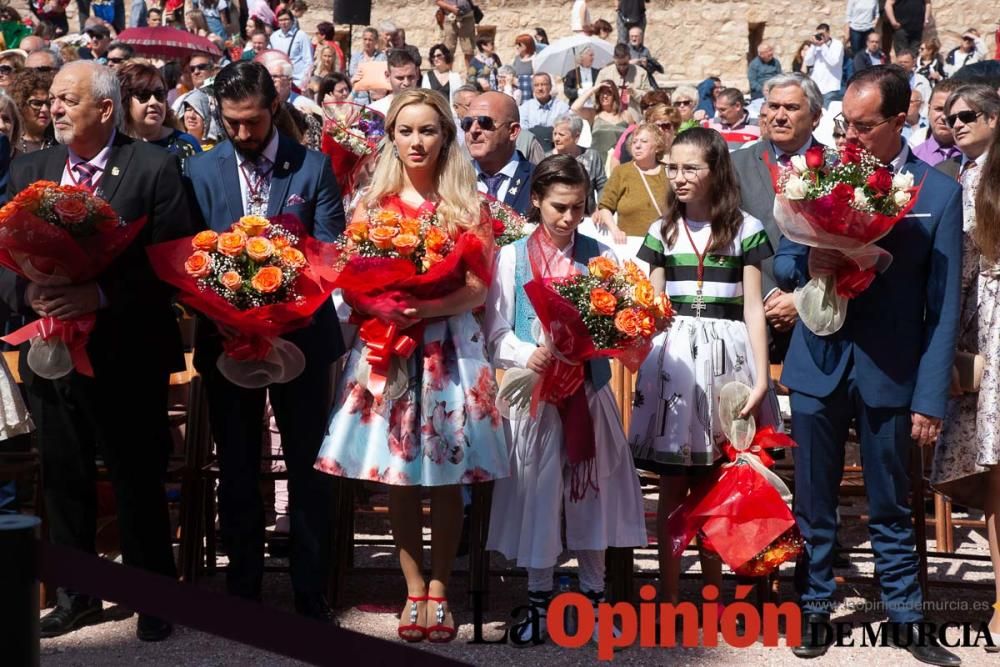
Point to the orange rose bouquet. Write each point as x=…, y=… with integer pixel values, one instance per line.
x=263, y=278
x=384, y=249
x=54, y=234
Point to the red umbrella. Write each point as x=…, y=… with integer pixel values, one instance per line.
x=169, y=43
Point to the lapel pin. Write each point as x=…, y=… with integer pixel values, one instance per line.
x=115, y=171
x=284, y=166
x=513, y=190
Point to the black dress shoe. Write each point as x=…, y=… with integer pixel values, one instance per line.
x=923, y=647
x=314, y=606
x=70, y=614
x=152, y=629
x=816, y=637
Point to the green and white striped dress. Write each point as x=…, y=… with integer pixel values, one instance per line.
x=674, y=421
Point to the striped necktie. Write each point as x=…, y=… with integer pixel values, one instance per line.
x=85, y=175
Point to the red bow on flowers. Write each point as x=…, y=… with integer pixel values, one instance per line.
x=384, y=341
x=247, y=348
x=766, y=438
x=74, y=333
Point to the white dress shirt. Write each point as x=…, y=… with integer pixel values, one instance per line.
x=271, y=153
x=535, y=114
x=508, y=171
x=827, y=61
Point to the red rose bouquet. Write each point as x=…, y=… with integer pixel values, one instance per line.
x=609, y=312
x=741, y=512
x=55, y=235
x=508, y=224
x=351, y=134
x=842, y=201
x=383, y=249
x=262, y=278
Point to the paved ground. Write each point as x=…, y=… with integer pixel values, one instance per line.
x=371, y=600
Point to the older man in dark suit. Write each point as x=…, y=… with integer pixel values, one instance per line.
x=119, y=414
x=793, y=106
x=491, y=130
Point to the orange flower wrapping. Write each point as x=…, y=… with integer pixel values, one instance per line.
x=232, y=244
x=205, y=240
x=436, y=240
x=252, y=225
x=382, y=237
x=405, y=244
x=628, y=322
x=644, y=294
x=199, y=264
x=259, y=248
x=293, y=258
x=602, y=301
x=357, y=231
x=231, y=280
x=71, y=211
x=663, y=306
x=410, y=226
x=267, y=280
x=646, y=322
x=602, y=267
x=633, y=273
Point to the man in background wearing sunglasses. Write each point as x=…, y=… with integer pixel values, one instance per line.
x=119, y=53
x=971, y=112
x=44, y=61
x=491, y=130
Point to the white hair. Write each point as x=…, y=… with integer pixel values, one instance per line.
x=575, y=123
x=808, y=86
x=103, y=86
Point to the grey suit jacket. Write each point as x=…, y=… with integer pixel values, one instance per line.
x=757, y=192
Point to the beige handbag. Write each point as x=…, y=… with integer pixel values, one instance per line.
x=968, y=371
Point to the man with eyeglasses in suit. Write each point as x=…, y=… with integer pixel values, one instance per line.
x=491, y=130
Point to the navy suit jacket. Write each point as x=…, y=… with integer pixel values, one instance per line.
x=518, y=195
x=302, y=184
x=901, y=331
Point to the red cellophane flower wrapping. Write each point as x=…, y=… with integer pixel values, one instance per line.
x=388, y=250
x=351, y=134
x=263, y=278
x=54, y=235
x=739, y=513
x=844, y=201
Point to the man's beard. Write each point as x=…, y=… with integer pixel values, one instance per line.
x=64, y=137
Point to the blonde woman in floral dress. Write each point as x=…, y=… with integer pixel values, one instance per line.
x=444, y=428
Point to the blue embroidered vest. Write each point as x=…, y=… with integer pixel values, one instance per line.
x=584, y=249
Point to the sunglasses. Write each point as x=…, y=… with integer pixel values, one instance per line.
x=37, y=105
x=117, y=61
x=45, y=69
x=486, y=123
x=967, y=117
x=683, y=103
x=7, y=70
x=142, y=96
x=665, y=126
x=204, y=67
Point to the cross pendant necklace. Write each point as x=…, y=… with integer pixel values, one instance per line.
x=699, y=304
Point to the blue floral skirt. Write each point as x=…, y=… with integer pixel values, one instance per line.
x=445, y=429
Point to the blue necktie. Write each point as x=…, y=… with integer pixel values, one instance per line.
x=492, y=182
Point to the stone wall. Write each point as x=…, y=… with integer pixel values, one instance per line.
x=692, y=38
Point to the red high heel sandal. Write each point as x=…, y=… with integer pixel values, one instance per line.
x=439, y=625
x=408, y=632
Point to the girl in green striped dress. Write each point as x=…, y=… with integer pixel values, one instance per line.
x=705, y=253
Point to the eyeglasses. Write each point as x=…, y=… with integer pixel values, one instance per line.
x=967, y=117
x=486, y=124
x=204, y=67
x=689, y=171
x=37, y=105
x=683, y=103
x=7, y=70
x=117, y=61
x=45, y=69
x=142, y=96
x=860, y=128
x=839, y=135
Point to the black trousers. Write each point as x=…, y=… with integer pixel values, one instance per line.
x=301, y=409
x=120, y=416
